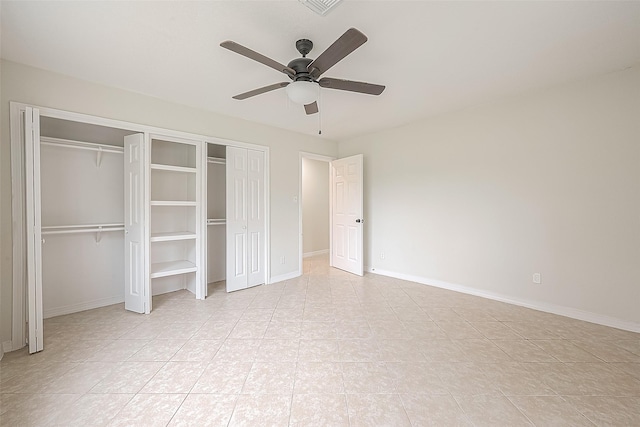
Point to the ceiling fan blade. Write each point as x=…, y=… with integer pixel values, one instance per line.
x=251, y=54
x=347, y=43
x=351, y=86
x=311, y=108
x=261, y=90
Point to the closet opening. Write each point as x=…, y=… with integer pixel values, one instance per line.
x=82, y=216
x=216, y=219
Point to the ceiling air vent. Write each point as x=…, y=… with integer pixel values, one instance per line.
x=321, y=7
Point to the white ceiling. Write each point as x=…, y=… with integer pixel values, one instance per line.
x=433, y=57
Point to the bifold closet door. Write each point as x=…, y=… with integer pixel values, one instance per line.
x=34, y=231
x=245, y=218
x=255, y=218
x=134, y=292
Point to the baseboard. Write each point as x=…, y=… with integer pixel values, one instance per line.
x=283, y=277
x=314, y=253
x=573, y=313
x=165, y=288
x=6, y=347
x=88, y=305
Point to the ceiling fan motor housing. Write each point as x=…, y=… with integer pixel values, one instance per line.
x=300, y=66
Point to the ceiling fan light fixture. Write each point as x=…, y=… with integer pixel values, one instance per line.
x=303, y=92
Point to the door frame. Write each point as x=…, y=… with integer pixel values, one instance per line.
x=19, y=312
x=327, y=159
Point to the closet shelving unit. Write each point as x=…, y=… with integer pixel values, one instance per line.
x=174, y=219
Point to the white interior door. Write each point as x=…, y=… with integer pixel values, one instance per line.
x=346, y=214
x=34, y=230
x=236, y=218
x=255, y=218
x=134, y=292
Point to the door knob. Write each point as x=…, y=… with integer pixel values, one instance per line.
x=359, y=220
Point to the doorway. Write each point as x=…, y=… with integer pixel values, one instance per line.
x=314, y=207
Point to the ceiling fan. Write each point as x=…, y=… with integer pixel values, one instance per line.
x=304, y=72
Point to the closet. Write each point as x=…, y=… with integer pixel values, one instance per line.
x=216, y=213
x=112, y=211
x=81, y=211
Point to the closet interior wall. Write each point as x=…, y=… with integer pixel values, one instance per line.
x=216, y=212
x=82, y=215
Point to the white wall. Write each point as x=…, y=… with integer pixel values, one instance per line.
x=544, y=183
x=33, y=86
x=315, y=206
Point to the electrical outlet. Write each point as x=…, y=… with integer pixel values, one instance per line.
x=537, y=279
x=282, y=260
x=381, y=255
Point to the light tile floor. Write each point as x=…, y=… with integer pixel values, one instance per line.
x=325, y=349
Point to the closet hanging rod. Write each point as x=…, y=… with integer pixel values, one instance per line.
x=82, y=230
x=216, y=160
x=82, y=226
x=81, y=145
x=216, y=221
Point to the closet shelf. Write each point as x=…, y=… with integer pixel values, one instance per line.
x=216, y=221
x=216, y=160
x=172, y=203
x=171, y=268
x=168, y=237
x=81, y=145
x=157, y=166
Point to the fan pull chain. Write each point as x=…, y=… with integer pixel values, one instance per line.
x=319, y=113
